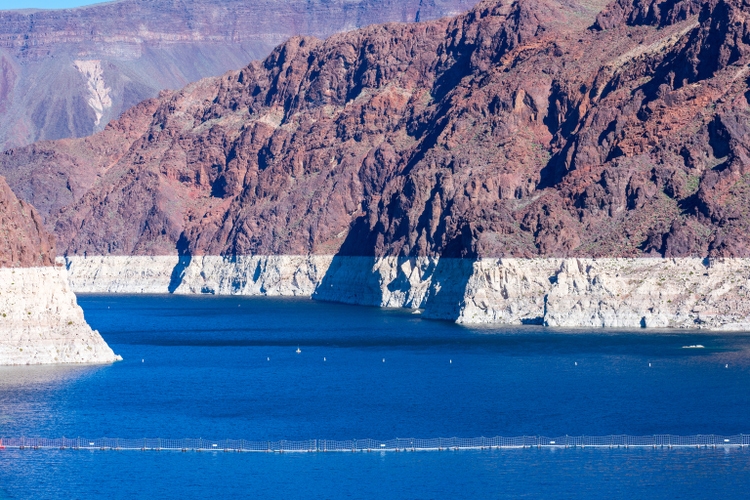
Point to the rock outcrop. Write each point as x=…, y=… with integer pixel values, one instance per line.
x=67, y=73
x=40, y=321
x=612, y=293
x=502, y=141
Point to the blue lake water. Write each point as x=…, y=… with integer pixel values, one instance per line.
x=226, y=367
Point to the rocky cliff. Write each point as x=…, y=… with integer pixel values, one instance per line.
x=40, y=321
x=24, y=242
x=527, y=129
x=67, y=73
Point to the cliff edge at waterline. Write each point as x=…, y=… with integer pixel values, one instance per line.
x=563, y=292
x=40, y=320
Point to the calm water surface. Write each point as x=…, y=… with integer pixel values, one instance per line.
x=219, y=367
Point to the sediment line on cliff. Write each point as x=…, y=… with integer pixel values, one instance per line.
x=41, y=322
x=560, y=292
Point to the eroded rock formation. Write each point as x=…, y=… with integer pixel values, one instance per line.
x=517, y=129
x=40, y=321
x=66, y=73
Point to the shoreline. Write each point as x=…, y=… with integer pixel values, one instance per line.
x=635, y=293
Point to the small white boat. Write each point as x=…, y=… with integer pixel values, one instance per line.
x=298, y=350
x=694, y=346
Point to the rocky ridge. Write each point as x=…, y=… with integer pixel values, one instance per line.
x=67, y=73
x=488, y=135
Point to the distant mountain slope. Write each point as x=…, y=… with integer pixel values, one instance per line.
x=67, y=73
x=522, y=128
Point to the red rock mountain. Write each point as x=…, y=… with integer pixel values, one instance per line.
x=23, y=242
x=522, y=128
x=67, y=73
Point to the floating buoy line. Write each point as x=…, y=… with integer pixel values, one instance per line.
x=661, y=441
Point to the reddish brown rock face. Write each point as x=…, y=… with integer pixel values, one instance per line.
x=526, y=128
x=67, y=73
x=23, y=240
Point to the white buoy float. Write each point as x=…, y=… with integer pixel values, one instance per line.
x=383, y=360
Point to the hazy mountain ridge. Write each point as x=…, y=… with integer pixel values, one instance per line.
x=66, y=73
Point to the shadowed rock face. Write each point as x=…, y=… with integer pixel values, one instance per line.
x=522, y=128
x=23, y=241
x=67, y=73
